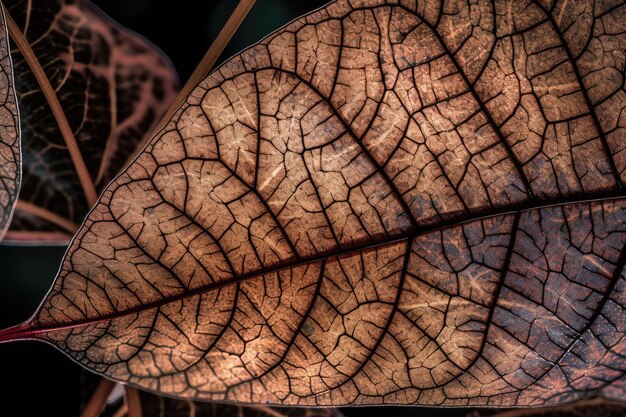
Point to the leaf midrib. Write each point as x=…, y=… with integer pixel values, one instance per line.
x=30, y=330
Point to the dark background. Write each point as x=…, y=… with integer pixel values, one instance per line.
x=36, y=379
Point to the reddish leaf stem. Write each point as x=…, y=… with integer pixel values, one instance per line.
x=20, y=332
x=133, y=402
x=122, y=411
x=47, y=215
x=98, y=399
x=27, y=237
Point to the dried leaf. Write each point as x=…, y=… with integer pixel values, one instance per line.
x=112, y=87
x=155, y=406
x=378, y=204
x=10, y=159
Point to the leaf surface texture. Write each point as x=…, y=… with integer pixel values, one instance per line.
x=377, y=204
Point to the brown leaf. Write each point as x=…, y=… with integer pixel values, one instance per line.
x=155, y=406
x=377, y=204
x=111, y=85
x=10, y=158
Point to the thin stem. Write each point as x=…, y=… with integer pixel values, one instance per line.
x=122, y=411
x=271, y=412
x=57, y=111
x=49, y=216
x=99, y=398
x=28, y=237
x=133, y=402
x=202, y=70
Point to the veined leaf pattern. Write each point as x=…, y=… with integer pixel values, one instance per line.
x=381, y=203
x=10, y=158
x=112, y=85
